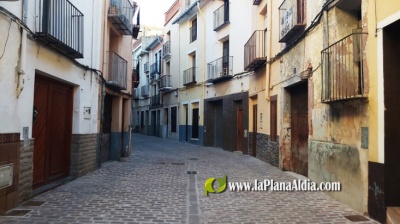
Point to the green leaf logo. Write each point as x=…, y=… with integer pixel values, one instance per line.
x=208, y=185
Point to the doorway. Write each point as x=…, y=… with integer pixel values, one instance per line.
x=239, y=128
x=195, y=123
x=391, y=59
x=299, y=128
x=52, y=130
x=106, y=137
x=254, y=139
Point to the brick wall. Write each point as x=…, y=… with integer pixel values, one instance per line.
x=83, y=154
x=25, y=171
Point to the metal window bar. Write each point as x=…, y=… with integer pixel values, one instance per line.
x=155, y=100
x=189, y=76
x=154, y=68
x=117, y=70
x=193, y=33
x=144, y=91
x=221, y=15
x=167, y=48
x=342, y=69
x=61, y=24
x=165, y=81
x=136, y=94
x=221, y=67
x=254, y=50
x=146, y=67
x=123, y=9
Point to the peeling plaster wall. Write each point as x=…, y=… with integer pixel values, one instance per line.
x=334, y=150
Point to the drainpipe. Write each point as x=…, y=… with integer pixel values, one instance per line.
x=22, y=54
x=205, y=58
x=269, y=55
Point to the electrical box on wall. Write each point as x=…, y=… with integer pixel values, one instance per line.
x=87, y=112
x=6, y=176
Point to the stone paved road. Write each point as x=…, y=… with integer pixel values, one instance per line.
x=152, y=186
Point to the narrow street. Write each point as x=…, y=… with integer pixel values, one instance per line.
x=152, y=186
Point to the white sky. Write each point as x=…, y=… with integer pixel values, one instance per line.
x=152, y=11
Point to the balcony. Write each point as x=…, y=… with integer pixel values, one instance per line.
x=135, y=80
x=120, y=14
x=61, y=27
x=221, y=16
x=135, y=30
x=254, y=51
x=193, y=33
x=155, y=69
x=155, y=100
x=166, y=50
x=189, y=76
x=146, y=67
x=292, y=20
x=165, y=83
x=117, y=71
x=144, y=91
x=136, y=94
x=342, y=69
x=220, y=69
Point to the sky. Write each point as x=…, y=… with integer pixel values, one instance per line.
x=152, y=11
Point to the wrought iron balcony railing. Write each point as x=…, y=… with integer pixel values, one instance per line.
x=167, y=49
x=221, y=16
x=136, y=94
x=155, y=69
x=117, y=71
x=292, y=19
x=254, y=51
x=61, y=27
x=165, y=82
x=135, y=80
x=342, y=69
x=146, y=67
x=193, y=33
x=220, y=69
x=144, y=91
x=189, y=76
x=155, y=100
x=120, y=14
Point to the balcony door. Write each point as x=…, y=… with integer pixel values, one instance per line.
x=225, y=58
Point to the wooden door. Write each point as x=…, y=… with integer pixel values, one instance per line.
x=299, y=129
x=254, y=140
x=239, y=131
x=52, y=130
x=195, y=123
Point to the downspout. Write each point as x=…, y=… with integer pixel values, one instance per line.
x=269, y=28
x=204, y=60
x=22, y=54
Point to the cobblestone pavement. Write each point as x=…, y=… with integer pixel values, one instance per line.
x=152, y=186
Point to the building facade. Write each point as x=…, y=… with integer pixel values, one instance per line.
x=52, y=76
x=169, y=81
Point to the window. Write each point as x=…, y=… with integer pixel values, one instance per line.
x=193, y=31
x=173, y=118
x=274, y=118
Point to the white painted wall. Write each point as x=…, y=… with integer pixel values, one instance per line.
x=17, y=112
